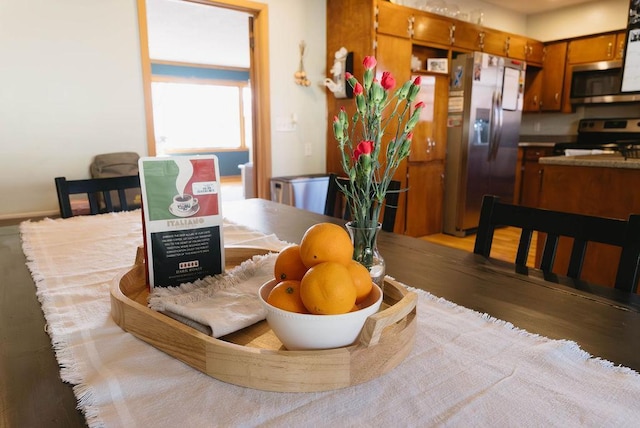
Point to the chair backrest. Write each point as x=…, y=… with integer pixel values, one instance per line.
x=93, y=188
x=582, y=228
x=334, y=194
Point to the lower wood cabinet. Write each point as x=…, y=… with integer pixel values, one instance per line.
x=529, y=174
x=424, y=199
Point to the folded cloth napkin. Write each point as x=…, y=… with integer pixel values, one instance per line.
x=221, y=304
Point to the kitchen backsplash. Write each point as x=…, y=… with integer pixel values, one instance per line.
x=567, y=124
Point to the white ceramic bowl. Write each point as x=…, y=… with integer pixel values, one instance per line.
x=307, y=331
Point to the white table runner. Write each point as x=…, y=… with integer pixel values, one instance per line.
x=466, y=369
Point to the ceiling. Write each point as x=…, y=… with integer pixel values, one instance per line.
x=529, y=7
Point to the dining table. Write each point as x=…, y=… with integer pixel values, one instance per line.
x=494, y=345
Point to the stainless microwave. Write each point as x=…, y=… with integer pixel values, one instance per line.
x=598, y=82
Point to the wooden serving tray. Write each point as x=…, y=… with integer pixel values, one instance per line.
x=254, y=357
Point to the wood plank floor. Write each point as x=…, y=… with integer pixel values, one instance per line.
x=505, y=243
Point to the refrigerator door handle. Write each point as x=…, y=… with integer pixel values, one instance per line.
x=499, y=123
x=493, y=124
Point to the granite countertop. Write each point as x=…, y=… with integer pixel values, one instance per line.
x=614, y=160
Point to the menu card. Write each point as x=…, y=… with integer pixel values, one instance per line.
x=182, y=218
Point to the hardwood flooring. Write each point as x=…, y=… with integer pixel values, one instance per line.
x=505, y=244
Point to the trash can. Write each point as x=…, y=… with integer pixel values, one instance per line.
x=308, y=192
x=246, y=175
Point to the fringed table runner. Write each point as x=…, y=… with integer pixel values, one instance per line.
x=466, y=368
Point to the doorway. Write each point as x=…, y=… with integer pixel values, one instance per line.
x=257, y=34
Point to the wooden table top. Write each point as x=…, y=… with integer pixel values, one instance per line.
x=605, y=324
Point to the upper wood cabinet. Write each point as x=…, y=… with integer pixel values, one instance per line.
x=592, y=49
x=394, y=20
x=433, y=29
x=553, y=76
x=429, y=135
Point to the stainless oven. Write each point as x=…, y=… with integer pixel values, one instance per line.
x=598, y=82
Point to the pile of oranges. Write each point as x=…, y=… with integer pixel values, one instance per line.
x=319, y=276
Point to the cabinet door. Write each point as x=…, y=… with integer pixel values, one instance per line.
x=535, y=52
x=430, y=135
x=494, y=42
x=394, y=55
x=425, y=196
x=517, y=47
x=532, y=89
x=468, y=36
x=394, y=20
x=433, y=29
x=592, y=49
x=532, y=175
x=553, y=76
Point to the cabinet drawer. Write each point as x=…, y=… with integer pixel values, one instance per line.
x=535, y=153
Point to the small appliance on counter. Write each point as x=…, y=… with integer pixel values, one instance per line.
x=604, y=136
x=308, y=192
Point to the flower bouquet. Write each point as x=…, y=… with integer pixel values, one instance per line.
x=369, y=158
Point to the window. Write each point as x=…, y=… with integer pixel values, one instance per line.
x=200, y=115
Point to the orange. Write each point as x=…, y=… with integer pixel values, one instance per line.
x=325, y=242
x=361, y=280
x=327, y=289
x=289, y=264
x=286, y=296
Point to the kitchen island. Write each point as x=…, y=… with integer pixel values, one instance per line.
x=605, y=185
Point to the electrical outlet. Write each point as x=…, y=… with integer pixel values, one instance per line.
x=307, y=149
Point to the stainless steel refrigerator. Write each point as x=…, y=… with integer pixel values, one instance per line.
x=483, y=126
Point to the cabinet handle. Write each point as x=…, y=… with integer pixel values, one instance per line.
x=540, y=175
x=556, y=97
x=507, y=45
x=609, y=49
x=481, y=42
x=410, y=26
x=452, y=33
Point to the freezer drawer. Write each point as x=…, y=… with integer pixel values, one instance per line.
x=306, y=192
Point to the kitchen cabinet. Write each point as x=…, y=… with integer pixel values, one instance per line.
x=530, y=172
x=425, y=172
x=394, y=55
x=433, y=29
x=394, y=21
x=592, y=49
x=553, y=73
x=600, y=191
x=532, y=89
x=425, y=198
x=429, y=136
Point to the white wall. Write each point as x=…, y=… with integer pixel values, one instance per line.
x=580, y=20
x=291, y=21
x=72, y=88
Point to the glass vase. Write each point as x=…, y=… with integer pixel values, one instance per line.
x=365, y=251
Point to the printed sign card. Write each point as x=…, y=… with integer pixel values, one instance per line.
x=182, y=218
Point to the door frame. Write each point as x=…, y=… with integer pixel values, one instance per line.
x=259, y=82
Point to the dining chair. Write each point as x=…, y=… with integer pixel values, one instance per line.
x=582, y=228
x=98, y=192
x=337, y=201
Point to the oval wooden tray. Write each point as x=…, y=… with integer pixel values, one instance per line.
x=254, y=357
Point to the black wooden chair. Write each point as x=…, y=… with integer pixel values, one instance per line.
x=582, y=228
x=99, y=193
x=337, y=202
